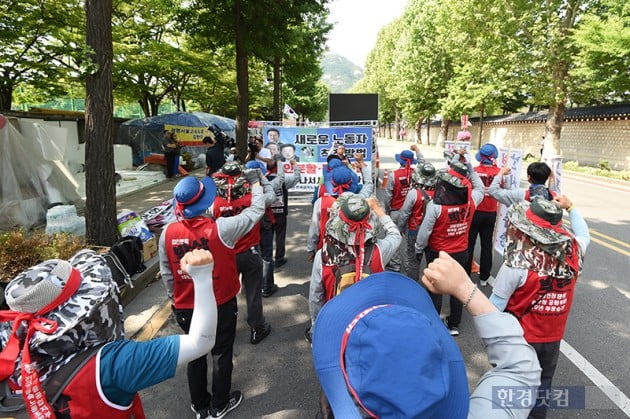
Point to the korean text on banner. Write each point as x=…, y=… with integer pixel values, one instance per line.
x=514, y=160
x=310, y=147
x=188, y=136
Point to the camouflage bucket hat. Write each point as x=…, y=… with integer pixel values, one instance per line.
x=526, y=217
x=89, y=317
x=425, y=175
x=230, y=178
x=355, y=208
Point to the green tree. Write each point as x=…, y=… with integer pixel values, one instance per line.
x=153, y=61
x=602, y=63
x=32, y=39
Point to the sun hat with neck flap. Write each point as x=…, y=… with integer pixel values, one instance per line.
x=381, y=350
x=61, y=309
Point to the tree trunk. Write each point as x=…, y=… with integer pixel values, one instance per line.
x=419, y=130
x=553, y=129
x=6, y=97
x=397, y=133
x=242, y=81
x=555, y=117
x=277, y=83
x=154, y=104
x=100, y=187
x=429, y=130
x=483, y=108
x=144, y=105
x=389, y=128
x=443, y=132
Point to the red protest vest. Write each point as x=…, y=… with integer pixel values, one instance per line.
x=200, y=233
x=83, y=398
x=552, y=299
x=328, y=272
x=486, y=174
x=450, y=232
x=326, y=205
x=417, y=212
x=221, y=208
x=401, y=185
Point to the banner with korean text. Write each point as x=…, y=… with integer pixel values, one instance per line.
x=514, y=160
x=310, y=147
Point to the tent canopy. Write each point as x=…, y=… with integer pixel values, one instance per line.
x=144, y=135
x=194, y=119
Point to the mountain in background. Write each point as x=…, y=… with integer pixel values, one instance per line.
x=340, y=74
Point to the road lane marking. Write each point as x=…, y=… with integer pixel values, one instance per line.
x=610, y=246
x=605, y=385
x=612, y=239
x=603, y=243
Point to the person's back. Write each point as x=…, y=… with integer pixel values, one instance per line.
x=423, y=374
x=97, y=374
x=537, y=175
x=536, y=283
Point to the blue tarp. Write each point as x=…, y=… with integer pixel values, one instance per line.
x=194, y=119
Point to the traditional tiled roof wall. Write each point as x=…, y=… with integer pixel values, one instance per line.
x=589, y=135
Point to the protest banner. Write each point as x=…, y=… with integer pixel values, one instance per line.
x=188, y=136
x=310, y=146
x=453, y=146
x=514, y=160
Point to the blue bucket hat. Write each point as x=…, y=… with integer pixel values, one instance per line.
x=407, y=156
x=382, y=344
x=255, y=164
x=193, y=196
x=486, y=152
x=342, y=175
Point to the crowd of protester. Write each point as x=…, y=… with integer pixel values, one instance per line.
x=379, y=274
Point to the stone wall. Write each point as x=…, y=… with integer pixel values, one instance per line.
x=587, y=142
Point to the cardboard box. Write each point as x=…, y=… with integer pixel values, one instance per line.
x=150, y=248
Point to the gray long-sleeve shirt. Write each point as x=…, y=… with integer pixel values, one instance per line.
x=387, y=247
x=515, y=365
x=229, y=229
x=434, y=210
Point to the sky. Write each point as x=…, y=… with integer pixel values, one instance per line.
x=356, y=25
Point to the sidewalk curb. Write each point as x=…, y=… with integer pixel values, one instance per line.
x=154, y=324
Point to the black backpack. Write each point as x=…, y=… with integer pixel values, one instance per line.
x=125, y=258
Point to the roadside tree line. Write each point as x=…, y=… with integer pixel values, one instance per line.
x=481, y=57
x=238, y=58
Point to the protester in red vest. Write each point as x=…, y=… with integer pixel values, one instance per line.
x=537, y=175
x=536, y=282
x=194, y=230
x=233, y=196
x=395, y=193
x=486, y=213
x=351, y=245
x=342, y=179
x=412, y=212
x=71, y=315
x=446, y=223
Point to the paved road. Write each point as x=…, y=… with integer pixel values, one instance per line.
x=277, y=376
